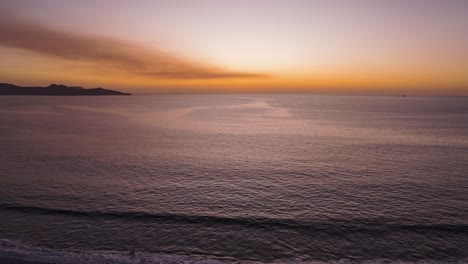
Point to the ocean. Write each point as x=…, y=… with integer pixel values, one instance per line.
x=234, y=178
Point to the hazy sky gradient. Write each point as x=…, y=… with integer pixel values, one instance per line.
x=364, y=46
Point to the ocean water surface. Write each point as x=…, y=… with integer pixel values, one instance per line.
x=220, y=178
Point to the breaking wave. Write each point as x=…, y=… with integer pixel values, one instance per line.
x=356, y=225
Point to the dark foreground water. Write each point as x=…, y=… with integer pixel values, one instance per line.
x=215, y=178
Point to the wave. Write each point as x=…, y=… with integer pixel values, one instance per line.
x=332, y=225
x=11, y=249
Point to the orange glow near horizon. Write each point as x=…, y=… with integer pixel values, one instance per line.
x=356, y=46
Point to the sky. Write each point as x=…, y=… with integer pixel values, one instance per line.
x=324, y=46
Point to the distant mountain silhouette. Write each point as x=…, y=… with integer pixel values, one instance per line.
x=54, y=89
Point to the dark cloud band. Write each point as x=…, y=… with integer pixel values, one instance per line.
x=105, y=52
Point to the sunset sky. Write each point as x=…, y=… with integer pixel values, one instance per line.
x=326, y=46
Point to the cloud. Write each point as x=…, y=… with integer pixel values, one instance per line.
x=106, y=52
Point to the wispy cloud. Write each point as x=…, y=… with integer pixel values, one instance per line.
x=106, y=52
